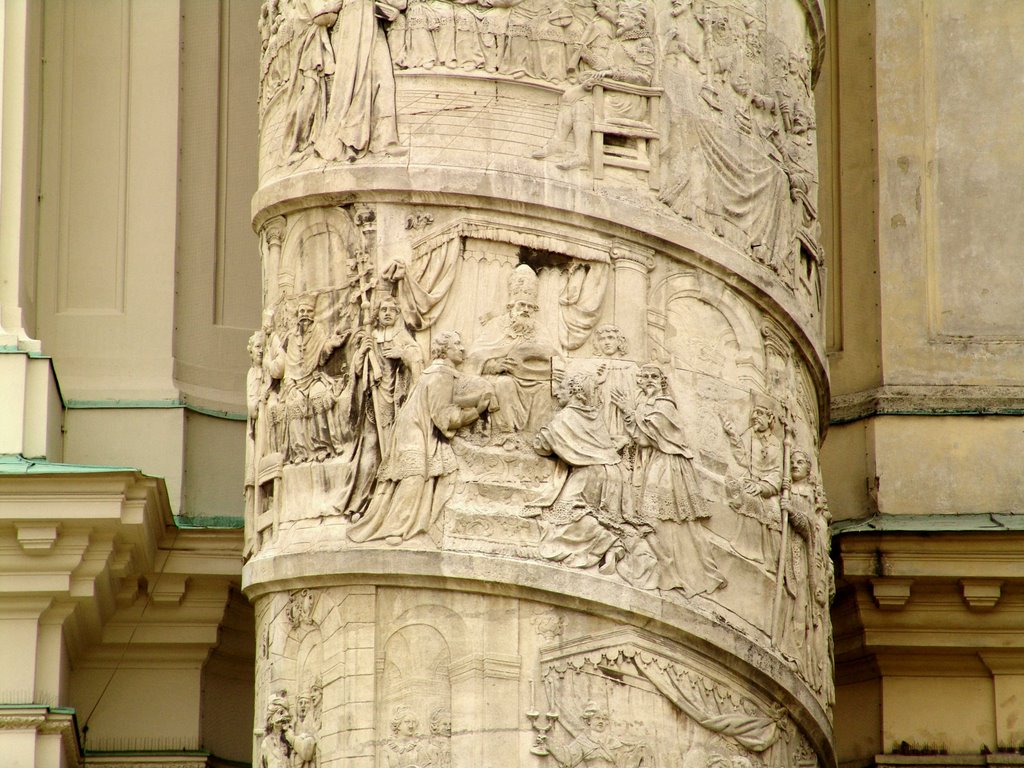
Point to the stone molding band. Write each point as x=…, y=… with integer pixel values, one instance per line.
x=927, y=400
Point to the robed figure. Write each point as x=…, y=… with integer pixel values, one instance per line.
x=667, y=489
x=361, y=111
x=413, y=482
x=592, y=515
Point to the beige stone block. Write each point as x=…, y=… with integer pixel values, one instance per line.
x=19, y=747
x=917, y=710
x=858, y=721
x=146, y=701
x=148, y=439
x=910, y=452
x=847, y=468
x=213, y=466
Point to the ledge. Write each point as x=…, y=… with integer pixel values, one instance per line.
x=928, y=400
x=923, y=524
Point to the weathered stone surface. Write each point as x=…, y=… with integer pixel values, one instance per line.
x=535, y=410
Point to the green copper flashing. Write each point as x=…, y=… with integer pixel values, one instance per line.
x=16, y=464
x=153, y=405
x=14, y=349
x=222, y=522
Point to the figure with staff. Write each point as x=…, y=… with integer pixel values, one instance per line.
x=791, y=618
x=754, y=496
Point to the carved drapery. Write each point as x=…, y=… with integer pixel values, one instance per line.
x=541, y=317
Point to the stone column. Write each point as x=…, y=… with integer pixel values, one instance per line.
x=632, y=264
x=499, y=537
x=274, y=283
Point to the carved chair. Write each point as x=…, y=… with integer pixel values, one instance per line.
x=267, y=496
x=637, y=149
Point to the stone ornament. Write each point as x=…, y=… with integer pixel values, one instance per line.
x=622, y=701
x=587, y=694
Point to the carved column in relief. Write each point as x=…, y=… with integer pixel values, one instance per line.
x=273, y=234
x=632, y=266
x=536, y=405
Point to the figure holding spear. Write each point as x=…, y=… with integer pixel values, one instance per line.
x=791, y=616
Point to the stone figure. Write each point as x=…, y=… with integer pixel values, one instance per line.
x=307, y=392
x=413, y=482
x=430, y=35
x=397, y=364
x=755, y=496
x=823, y=590
x=628, y=58
x=515, y=356
x=275, y=427
x=361, y=112
x=438, y=748
x=313, y=59
x=275, y=38
x=798, y=502
x=597, y=747
x=305, y=743
x=535, y=45
x=406, y=747
x=479, y=35
x=618, y=374
x=276, y=747
x=256, y=385
x=592, y=515
x=667, y=488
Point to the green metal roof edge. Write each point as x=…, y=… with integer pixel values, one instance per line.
x=36, y=705
x=966, y=523
x=221, y=522
x=16, y=464
x=168, y=403
x=14, y=349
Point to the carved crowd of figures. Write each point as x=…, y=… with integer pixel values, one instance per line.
x=291, y=736
x=621, y=492
x=537, y=39
x=409, y=747
x=327, y=68
x=620, y=699
x=733, y=148
x=748, y=99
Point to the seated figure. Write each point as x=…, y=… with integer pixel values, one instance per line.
x=514, y=355
x=628, y=57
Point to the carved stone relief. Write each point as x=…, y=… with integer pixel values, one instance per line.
x=540, y=283
x=398, y=677
x=459, y=386
x=623, y=699
x=701, y=108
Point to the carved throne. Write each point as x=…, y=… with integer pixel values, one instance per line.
x=622, y=143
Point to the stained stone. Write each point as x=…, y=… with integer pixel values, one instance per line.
x=535, y=410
